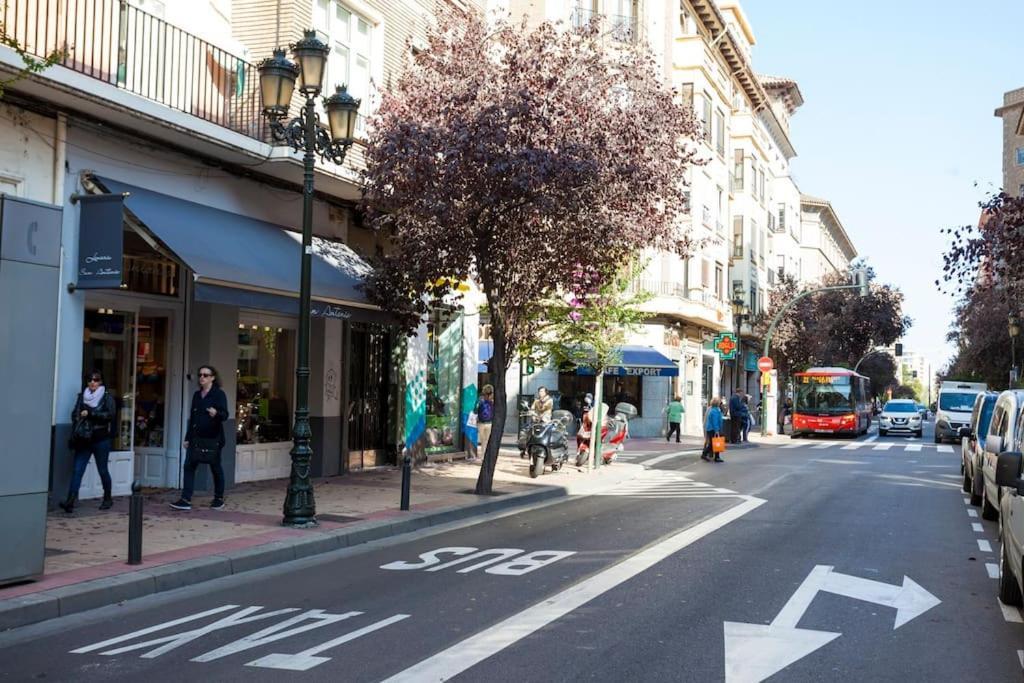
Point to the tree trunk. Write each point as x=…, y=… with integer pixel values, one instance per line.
x=499, y=365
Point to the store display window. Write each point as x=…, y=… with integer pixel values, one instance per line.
x=617, y=389
x=265, y=383
x=444, y=381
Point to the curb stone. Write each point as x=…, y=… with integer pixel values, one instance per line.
x=88, y=595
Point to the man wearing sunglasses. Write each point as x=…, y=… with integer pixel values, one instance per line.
x=204, y=438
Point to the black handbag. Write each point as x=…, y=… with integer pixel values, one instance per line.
x=204, y=450
x=81, y=434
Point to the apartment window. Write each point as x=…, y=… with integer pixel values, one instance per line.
x=753, y=241
x=782, y=218
x=705, y=117
x=753, y=178
x=737, y=237
x=719, y=280
x=762, y=250
x=760, y=189
x=350, y=37
x=762, y=299
x=705, y=274
x=686, y=201
x=686, y=94
x=583, y=12
x=1020, y=156
x=706, y=216
x=623, y=19
x=737, y=170
x=720, y=132
x=753, y=300
x=686, y=25
x=781, y=264
x=771, y=223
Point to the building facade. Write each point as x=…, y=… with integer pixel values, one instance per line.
x=1012, y=115
x=156, y=104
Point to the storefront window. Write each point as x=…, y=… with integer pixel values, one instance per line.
x=146, y=270
x=444, y=381
x=107, y=347
x=625, y=389
x=265, y=381
x=150, y=381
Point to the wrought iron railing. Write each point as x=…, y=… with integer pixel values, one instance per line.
x=119, y=44
x=582, y=17
x=623, y=28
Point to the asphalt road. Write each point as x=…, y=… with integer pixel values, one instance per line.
x=790, y=559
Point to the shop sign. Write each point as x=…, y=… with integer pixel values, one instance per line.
x=319, y=309
x=100, y=241
x=725, y=345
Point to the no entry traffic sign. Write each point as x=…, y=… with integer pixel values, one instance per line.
x=765, y=364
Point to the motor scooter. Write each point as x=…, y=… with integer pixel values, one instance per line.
x=548, y=443
x=614, y=433
x=527, y=418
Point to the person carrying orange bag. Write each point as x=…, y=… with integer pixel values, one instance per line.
x=713, y=432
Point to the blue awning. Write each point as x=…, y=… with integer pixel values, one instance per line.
x=485, y=349
x=248, y=262
x=639, y=361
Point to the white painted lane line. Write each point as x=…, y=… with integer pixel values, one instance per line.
x=977, y=527
x=984, y=545
x=993, y=570
x=668, y=456
x=913, y=447
x=475, y=649
x=1011, y=614
x=972, y=513
x=793, y=445
x=945, y=448
x=882, y=447
x=967, y=501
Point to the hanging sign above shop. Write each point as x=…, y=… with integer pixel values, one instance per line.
x=100, y=241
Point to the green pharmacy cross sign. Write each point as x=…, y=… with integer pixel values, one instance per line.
x=725, y=344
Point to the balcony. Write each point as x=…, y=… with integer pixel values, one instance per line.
x=623, y=28
x=673, y=300
x=118, y=44
x=582, y=17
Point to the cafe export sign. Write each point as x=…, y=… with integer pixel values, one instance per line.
x=725, y=345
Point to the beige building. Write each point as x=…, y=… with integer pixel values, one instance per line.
x=825, y=246
x=1012, y=114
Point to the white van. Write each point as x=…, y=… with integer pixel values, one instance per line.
x=956, y=401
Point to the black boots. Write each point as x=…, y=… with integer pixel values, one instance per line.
x=107, y=502
x=69, y=505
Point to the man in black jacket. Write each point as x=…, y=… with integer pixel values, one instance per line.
x=204, y=438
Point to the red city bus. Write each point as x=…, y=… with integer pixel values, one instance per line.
x=831, y=401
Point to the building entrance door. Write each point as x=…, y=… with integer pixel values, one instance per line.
x=369, y=397
x=150, y=436
x=108, y=345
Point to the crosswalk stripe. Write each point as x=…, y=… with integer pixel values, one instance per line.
x=793, y=445
x=913, y=447
x=853, y=446
x=882, y=447
x=945, y=448
x=821, y=446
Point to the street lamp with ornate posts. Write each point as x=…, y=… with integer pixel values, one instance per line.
x=1014, y=330
x=305, y=133
x=740, y=313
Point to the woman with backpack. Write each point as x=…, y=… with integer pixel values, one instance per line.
x=484, y=417
x=92, y=427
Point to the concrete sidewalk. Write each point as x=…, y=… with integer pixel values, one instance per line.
x=86, y=552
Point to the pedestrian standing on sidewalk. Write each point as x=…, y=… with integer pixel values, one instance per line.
x=484, y=417
x=92, y=427
x=738, y=413
x=712, y=428
x=675, y=412
x=204, y=438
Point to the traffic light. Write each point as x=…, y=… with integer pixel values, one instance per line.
x=899, y=350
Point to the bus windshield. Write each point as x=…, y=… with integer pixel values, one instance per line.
x=830, y=399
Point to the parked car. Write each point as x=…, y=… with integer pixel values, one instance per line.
x=956, y=399
x=900, y=415
x=1011, y=530
x=972, y=444
x=1002, y=437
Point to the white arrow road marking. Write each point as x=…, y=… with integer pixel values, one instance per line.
x=475, y=649
x=754, y=652
x=307, y=659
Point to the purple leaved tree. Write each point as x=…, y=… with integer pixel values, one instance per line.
x=516, y=158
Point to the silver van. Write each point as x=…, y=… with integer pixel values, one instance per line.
x=972, y=444
x=1011, y=527
x=1002, y=437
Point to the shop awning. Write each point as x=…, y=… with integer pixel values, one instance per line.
x=640, y=361
x=246, y=262
x=485, y=351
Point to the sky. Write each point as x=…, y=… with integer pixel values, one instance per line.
x=897, y=128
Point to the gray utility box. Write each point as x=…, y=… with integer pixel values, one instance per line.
x=29, y=290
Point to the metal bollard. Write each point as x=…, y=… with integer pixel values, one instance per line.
x=135, y=524
x=406, y=477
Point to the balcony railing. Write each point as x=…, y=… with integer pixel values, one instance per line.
x=582, y=17
x=623, y=28
x=676, y=289
x=113, y=42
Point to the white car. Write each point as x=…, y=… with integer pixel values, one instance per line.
x=900, y=415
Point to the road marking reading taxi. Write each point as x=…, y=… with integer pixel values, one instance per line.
x=298, y=622
x=523, y=562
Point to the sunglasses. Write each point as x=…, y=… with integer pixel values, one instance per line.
x=206, y=374
x=95, y=379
